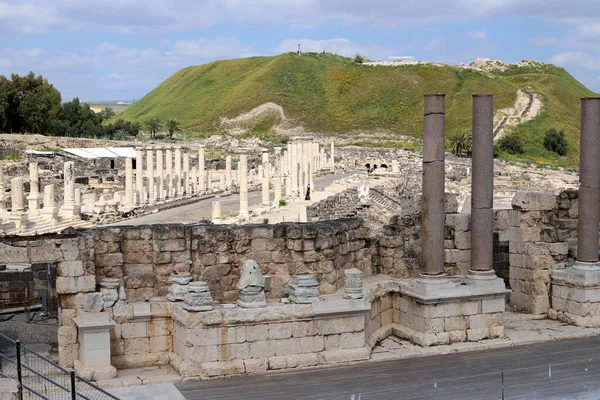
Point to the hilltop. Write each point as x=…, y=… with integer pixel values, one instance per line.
x=331, y=95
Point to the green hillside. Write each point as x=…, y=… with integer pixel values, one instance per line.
x=333, y=95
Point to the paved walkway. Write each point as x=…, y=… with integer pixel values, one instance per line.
x=202, y=210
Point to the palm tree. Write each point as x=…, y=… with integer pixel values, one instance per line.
x=173, y=126
x=153, y=126
x=459, y=143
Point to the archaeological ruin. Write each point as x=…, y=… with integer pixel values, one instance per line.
x=428, y=248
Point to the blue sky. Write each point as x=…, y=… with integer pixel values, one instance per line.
x=122, y=49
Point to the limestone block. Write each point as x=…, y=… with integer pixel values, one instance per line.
x=160, y=327
x=84, y=283
x=13, y=254
x=109, y=260
x=284, y=347
x=65, y=356
x=479, y=321
x=277, y=362
x=453, y=256
x=122, y=314
x=172, y=245
x=493, y=305
x=223, y=368
x=343, y=356
x=72, y=301
x=140, y=360
x=9, y=389
x=279, y=331
x=302, y=360
x=497, y=331
x=312, y=344
x=462, y=240
x=457, y=323
x=532, y=201
x=67, y=316
x=65, y=285
x=303, y=328
x=70, y=249
x=95, y=373
x=458, y=336
x=160, y=344
x=352, y=340
x=529, y=303
x=69, y=268
x=262, y=348
x=234, y=351
x=474, y=335
x=202, y=354
x=67, y=335
x=137, y=346
x=329, y=326
x=256, y=365
x=93, y=302
x=257, y=332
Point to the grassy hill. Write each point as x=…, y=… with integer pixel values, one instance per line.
x=333, y=95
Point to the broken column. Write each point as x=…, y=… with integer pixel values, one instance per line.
x=216, y=212
x=109, y=287
x=201, y=170
x=49, y=211
x=265, y=178
x=179, y=285
x=243, y=178
x=278, y=171
x=198, y=297
x=228, y=172
x=186, y=173
x=294, y=167
x=194, y=181
x=482, y=189
x=332, y=155
x=150, y=177
x=177, y=175
x=129, y=182
x=169, y=177
x=2, y=194
x=432, y=252
x=304, y=289
x=160, y=175
x=17, y=211
x=575, y=298
x=139, y=175
x=34, y=197
x=353, y=284
x=69, y=209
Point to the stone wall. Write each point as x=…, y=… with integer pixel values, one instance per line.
x=340, y=205
x=21, y=287
x=144, y=256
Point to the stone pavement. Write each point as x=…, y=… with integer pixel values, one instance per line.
x=520, y=329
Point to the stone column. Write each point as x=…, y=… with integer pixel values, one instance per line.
x=128, y=182
x=589, y=185
x=216, y=212
x=186, y=173
x=49, y=211
x=69, y=209
x=160, y=175
x=34, y=197
x=16, y=194
x=2, y=194
x=482, y=189
x=322, y=158
x=294, y=167
x=139, y=175
x=288, y=167
x=169, y=178
x=150, y=177
x=243, y=178
x=265, y=178
x=432, y=250
x=201, y=170
x=277, y=179
x=332, y=155
x=177, y=181
x=311, y=165
x=194, y=185
x=228, y=172
x=305, y=168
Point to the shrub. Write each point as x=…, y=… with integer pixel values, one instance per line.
x=512, y=144
x=282, y=203
x=556, y=142
x=359, y=59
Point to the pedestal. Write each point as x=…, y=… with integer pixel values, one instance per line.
x=198, y=297
x=450, y=310
x=94, y=346
x=305, y=289
x=576, y=295
x=179, y=286
x=353, y=284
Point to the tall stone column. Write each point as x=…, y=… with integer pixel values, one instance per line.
x=288, y=167
x=589, y=185
x=265, y=178
x=311, y=165
x=128, y=182
x=432, y=250
x=294, y=167
x=332, y=155
x=228, y=172
x=34, y=197
x=150, y=177
x=186, y=173
x=160, y=174
x=322, y=158
x=49, y=211
x=139, y=175
x=305, y=167
x=201, y=169
x=482, y=189
x=169, y=178
x=177, y=181
x=277, y=178
x=194, y=185
x=16, y=194
x=69, y=209
x=243, y=178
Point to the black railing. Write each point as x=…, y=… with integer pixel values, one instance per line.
x=40, y=377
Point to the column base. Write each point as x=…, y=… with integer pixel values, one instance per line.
x=70, y=212
x=436, y=312
x=19, y=220
x=576, y=294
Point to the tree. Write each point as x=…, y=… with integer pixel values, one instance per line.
x=556, y=142
x=460, y=143
x=173, y=126
x=512, y=144
x=359, y=59
x=107, y=113
x=153, y=125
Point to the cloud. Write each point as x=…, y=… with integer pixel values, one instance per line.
x=433, y=44
x=576, y=59
x=341, y=46
x=477, y=35
x=114, y=76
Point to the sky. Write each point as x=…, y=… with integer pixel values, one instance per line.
x=122, y=49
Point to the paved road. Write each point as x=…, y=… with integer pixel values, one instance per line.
x=575, y=375
x=202, y=210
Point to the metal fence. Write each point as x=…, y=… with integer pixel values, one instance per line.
x=41, y=378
